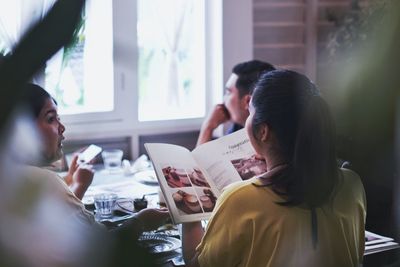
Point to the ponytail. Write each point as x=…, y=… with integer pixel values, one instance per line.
x=293, y=109
x=314, y=158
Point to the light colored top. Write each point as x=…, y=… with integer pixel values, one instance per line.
x=55, y=183
x=249, y=229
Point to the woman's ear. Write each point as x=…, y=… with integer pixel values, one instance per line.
x=264, y=132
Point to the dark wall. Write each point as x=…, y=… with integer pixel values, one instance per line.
x=185, y=139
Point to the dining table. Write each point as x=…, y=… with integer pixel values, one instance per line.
x=164, y=244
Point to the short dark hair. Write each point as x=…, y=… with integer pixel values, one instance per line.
x=291, y=106
x=248, y=73
x=34, y=98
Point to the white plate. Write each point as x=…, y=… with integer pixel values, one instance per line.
x=159, y=243
x=148, y=177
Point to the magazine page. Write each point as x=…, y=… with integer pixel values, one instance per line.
x=375, y=243
x=372, y=238
x=229, y=159
x=187, y=193
x=371, y=249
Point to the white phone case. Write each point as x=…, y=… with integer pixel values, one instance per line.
x=89, y=153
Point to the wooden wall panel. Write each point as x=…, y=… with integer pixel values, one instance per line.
x=284, y=32
x=279, y=35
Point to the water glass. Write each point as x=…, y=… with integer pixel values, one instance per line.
x=104, y=204
x=112, y=159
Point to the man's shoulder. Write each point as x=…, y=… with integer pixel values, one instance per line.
x=233, y=128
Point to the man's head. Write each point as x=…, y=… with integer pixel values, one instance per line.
x=239, y=88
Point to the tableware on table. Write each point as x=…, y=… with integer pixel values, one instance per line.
x=88, y=201
x=141, y=163
x=126, y=167
x=125, y=204
x=178, y=261
x=112, y=159
x=147, y=177
x=140, y=203
x=157, y=243
x=104, y=204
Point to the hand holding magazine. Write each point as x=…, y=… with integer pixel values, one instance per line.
x=192, y=181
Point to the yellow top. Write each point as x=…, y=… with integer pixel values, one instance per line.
x=249, y=229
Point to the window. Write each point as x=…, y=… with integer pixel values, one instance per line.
x=80, y=76
x=115, y=80
x=171, y=65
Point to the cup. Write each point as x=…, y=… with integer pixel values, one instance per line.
x=104, y=204
x=140, y=203
x=112, y=159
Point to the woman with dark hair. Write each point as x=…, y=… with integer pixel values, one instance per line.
x=304, y=211
x=44, y=109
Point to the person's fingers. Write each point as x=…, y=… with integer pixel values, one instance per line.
x=74, y=165
x=86, y=167
x=74, y=159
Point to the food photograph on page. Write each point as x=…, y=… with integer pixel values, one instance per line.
x=187, y=201
x=249, y=167
x=176, y=176
x=192, y=201
x=197, y=177
x=207, y=198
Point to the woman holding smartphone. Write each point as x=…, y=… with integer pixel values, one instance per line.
x=44, y=109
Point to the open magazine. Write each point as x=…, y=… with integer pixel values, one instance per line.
x=192, y=181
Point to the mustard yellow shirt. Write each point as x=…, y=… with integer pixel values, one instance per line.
x=249, y=229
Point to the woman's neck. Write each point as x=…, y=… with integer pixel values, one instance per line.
x=274, y=162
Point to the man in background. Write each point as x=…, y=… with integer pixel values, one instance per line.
x=239, y=88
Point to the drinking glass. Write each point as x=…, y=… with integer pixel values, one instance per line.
x=104, y=204
x=112, y=159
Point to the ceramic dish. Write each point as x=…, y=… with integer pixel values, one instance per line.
x=157, y=243
x=148, y=177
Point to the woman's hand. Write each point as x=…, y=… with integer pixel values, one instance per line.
x=144, y=220
x=83, y=176
x=79, y=177
x=151, y=219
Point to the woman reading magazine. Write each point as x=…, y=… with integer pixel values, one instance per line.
x=304, y=211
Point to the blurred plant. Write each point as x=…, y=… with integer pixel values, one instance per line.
x=355, y=28
x=364, y=90
x=77, y=37
x=74, y=47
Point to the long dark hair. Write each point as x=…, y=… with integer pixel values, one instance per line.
x=291, y=106
x=34, y=98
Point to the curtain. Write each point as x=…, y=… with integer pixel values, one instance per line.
x=172, y=27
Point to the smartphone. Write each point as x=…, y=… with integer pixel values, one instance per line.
x=88, y=154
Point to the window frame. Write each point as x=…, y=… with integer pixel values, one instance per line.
x=221, y=55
